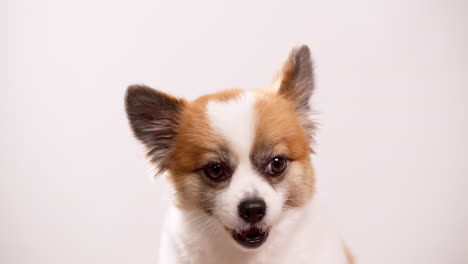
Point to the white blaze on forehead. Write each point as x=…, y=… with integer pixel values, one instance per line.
x=235, y=121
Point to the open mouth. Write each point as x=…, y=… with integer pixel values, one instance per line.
x=250, y=238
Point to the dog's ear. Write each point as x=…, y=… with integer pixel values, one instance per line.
x=295, y=82
x=154, y=117
x=295, y=79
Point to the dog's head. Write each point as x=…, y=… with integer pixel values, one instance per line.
x=240, y=156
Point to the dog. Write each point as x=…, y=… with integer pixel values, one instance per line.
x=239, y=167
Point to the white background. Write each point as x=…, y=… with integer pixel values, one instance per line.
x=391, y=99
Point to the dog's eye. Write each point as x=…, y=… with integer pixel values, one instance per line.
x=276, y=166
x=215, y=171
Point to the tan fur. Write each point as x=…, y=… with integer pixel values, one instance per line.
x=196, y=144
x=278, y=126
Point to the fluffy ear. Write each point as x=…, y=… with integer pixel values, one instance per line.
x=295, y=81
x=154, y=118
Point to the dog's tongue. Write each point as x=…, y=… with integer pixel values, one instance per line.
x=250, y=233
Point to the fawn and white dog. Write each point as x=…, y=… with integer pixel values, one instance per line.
x=239, y=164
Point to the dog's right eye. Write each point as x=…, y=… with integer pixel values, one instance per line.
x=215, y=171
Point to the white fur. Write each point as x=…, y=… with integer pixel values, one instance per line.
x=299, y=235
x=235, y=121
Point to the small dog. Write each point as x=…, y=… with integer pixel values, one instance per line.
x=239, y=164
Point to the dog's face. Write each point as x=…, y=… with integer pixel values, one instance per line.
x=240, y=156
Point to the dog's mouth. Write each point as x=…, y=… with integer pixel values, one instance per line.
x=250, y=238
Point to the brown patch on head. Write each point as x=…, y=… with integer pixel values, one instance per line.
x=221, y=96
x=179, y=139
x=280, y=133
x=196, y=145
x=284, y=123
x=197, y=142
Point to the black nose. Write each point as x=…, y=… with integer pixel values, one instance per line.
x=252, y=210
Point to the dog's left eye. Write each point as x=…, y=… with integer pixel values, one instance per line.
x=276, y=166
x=215, y=171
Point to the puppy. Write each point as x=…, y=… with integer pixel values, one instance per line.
x=238, y=163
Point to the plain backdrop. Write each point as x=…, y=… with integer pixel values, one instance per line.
x=392, y=151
